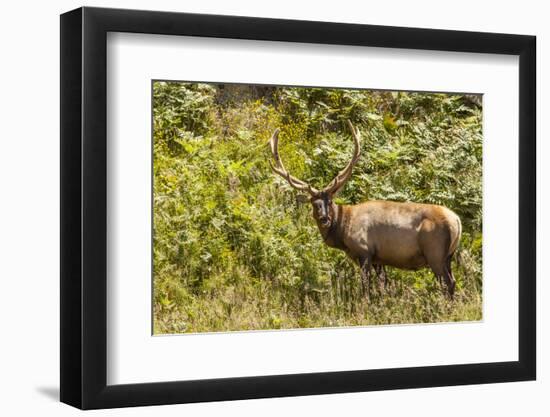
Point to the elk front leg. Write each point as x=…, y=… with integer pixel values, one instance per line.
x=382, y=277
x=365, y=265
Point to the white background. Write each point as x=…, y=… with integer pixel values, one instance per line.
x=134, y=356
x=29, y=211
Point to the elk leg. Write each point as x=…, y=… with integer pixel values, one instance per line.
x=435, y=253
x=363, y=286
x=440, y=271
x=384, y=277
x=449, y=278
x=365, y=283
x=362, y=274
x=365, y=266
x=369, y=280
x=380, y=277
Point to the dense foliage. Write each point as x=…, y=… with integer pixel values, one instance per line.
x=235, y=250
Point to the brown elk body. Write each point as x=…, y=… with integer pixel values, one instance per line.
x=378, y=233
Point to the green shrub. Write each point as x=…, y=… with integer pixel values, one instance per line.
x=233, y=250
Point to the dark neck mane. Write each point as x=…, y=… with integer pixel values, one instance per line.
x=333, y=235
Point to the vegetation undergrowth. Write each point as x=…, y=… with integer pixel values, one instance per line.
x=235, y=250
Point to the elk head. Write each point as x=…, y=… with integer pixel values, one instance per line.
x=321, y=200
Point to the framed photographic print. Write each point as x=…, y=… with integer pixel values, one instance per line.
x=255, y=208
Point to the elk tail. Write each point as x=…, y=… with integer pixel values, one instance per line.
x=456, y=240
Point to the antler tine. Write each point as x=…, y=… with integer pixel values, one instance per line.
x=337, y=183
x=280, y=169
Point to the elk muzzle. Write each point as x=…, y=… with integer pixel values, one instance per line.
x=321, y=210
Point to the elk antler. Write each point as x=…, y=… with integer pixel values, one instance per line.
x=280, y=169
x=338, y=182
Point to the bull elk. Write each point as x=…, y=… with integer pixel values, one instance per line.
x=376, y=233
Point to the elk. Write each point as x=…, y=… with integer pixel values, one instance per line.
x=404, y=235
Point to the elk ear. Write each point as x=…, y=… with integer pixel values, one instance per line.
x=302, y=199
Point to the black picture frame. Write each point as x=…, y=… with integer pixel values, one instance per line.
x=84, y=207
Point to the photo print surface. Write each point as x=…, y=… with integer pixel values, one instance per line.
x=279, y=207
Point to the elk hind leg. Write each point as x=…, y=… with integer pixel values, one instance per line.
x=434, y=242
x=439, y=268
x=449, y=278
x=442, y=271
